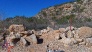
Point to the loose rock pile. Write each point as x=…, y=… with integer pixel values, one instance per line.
x=69, y=37
x=49, y=37
x=18, y=32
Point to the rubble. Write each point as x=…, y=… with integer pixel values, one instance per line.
x=63, y=36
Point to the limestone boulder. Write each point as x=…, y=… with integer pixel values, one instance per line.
x=62, y=30
x=68, y=41
x=16, y=28
x=32, y=39
x=56, y=31
x=89, y=41
x=75, y=33
x=70, y=34
x=85, y=32
x=44, y=31
x=22, y=41
x=62, y=35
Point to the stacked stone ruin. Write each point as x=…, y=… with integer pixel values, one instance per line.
x=75, y=36
x=18, y=32
x=79, y=36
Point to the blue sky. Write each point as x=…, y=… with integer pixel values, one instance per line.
x=11, y=8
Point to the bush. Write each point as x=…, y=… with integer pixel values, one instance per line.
x=30, y=19
x=8, y=19
x=65, y=19
x=88, y=19
x=78, y=9
x=79, y=1
x=44, y=13
x=54, y=18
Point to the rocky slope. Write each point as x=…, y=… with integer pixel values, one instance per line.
x=81, y=9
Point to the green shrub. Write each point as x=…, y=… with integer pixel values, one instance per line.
x=79, y=1
x=44, y=13
x=88, y=19
x=8, y=19
x=78, y=9
x=62, y=20
x=54, y=18
x=65, y=19
x=30, y=19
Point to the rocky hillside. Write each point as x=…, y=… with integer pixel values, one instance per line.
x=80, y=8
x=80, y=11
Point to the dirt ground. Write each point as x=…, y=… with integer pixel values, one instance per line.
x=56, y=45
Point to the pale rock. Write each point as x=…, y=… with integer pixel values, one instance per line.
x=89, y=41
x=85, y=32
x=56, y=31
x=63, y=35
x=75, y=33
x=62, y=30
x=32, y=39
x=23, y=41
x=57, y=36
x=79, y=40
x=69, y=41
x=17, y=35
x=16, y=28
x=82, y=43
x=44, y=31
x=70, y=34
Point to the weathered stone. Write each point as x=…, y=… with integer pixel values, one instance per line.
x=70, y=34
x=79, y=40
x=68, y=41
x=32, y=39
x=17, y=35
x=85, y=32
x=56, y=31
x=82, y=43
x=56, y=36
x=62, y=30
x=44, y=31
x=22, y=41
x=89, y=41
x=75, y=33
x=16, y=28
x=63, y=35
